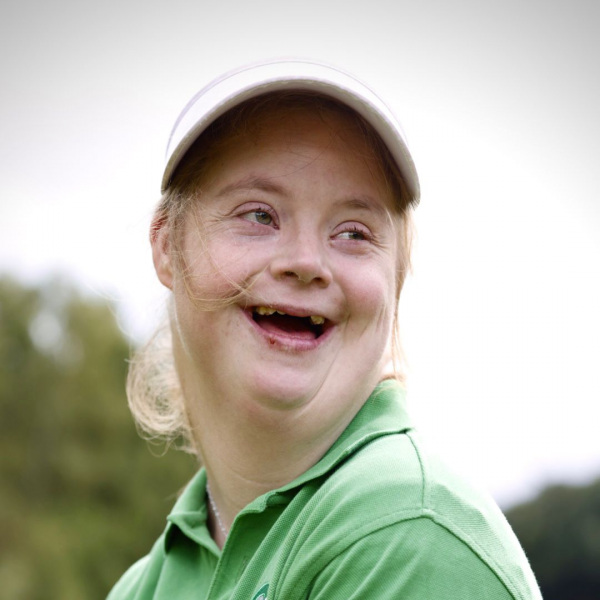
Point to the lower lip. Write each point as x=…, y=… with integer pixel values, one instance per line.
x=288, y=342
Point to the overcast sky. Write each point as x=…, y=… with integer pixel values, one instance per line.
x=500, y=103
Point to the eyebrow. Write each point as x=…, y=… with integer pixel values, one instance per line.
x=360, y=202
x=363, y=203
x=253, y=182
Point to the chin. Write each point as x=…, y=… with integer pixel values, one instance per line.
x=284, y=392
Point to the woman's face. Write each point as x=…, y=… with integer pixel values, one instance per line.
x=295, y=213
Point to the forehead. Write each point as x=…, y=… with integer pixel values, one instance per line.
x=302, y=127
x=299, y=145
x=290, y=116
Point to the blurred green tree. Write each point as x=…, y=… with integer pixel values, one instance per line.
x=82, y=495
x=560, y=532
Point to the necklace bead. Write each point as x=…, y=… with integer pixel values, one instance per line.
x=216, y=511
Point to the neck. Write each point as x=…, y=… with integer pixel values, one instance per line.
x=247, y=455
x=242, y=465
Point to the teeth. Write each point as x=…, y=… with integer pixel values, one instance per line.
x=267, y=311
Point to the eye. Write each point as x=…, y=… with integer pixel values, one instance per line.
x=354, y=233
x=258, y=216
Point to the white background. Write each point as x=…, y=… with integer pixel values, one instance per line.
x=500, y=103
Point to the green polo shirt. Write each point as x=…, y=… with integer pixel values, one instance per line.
x=377, y=517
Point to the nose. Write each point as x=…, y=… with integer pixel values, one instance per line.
x=302, y=259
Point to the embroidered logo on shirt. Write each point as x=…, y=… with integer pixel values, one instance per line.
x=262, y=593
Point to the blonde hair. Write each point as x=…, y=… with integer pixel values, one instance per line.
x=153, y=388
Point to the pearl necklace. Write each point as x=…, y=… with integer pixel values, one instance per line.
x=216, y=511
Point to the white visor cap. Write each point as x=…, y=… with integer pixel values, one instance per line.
x=240, y=85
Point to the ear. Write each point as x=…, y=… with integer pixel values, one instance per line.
x=160, y=240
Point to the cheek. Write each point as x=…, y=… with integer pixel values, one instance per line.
x=374, y=297
x=215, y=269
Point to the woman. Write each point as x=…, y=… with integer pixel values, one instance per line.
x=284, y=235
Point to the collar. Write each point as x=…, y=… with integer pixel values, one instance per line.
x=384, y=413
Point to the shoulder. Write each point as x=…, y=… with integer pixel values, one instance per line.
x=416, y=559
x=400, y=479
x=140, y=575
x=395, y=506
x=129, y=582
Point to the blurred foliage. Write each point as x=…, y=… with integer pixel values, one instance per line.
x=560, y=532
x=83, y=496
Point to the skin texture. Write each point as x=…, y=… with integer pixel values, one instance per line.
x=297, y=214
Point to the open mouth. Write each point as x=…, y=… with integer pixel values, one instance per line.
x=278, y=322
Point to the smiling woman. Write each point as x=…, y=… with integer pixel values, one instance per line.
x=284, y=238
